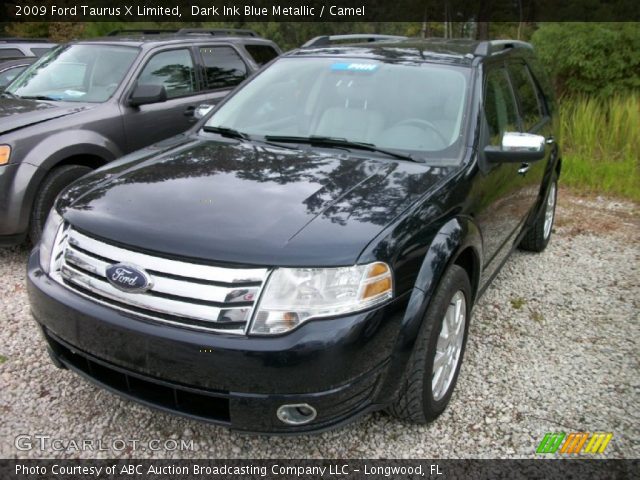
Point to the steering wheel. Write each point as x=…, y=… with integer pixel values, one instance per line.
x=420, y=123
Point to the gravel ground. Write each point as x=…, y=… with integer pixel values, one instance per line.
x=554, y=345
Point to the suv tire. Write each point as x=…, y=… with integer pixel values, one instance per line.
x=539, y=234
x=419, y=400
x=51, y=186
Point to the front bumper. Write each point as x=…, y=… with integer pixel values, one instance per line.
x=339, y=366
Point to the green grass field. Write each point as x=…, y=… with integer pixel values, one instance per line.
x=600, y=140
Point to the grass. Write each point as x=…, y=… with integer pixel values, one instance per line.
x=517, y=303
x=600, y=143
x=3, y=359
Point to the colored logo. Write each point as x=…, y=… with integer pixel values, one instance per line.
x=574, y=443
x=128, y=278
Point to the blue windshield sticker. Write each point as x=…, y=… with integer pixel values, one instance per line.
x=354, y=67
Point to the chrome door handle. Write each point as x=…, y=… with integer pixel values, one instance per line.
x=524, y=168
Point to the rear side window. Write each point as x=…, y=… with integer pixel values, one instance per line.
x=499, y=106
x=530, y=102
x=223, y=67
x=262, y=54
x=10, y=53
x=38, y=52
x=173, y=69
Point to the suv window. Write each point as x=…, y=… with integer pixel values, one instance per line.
x=7, y=76
x=223, y=67
x=262, y=54
x=499, y=106
x=530, y=105
x=173, y=69
x=10, y=53
x=38, y=52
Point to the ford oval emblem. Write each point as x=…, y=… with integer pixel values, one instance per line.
x=128, y=278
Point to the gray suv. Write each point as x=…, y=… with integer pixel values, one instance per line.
x=87, y=103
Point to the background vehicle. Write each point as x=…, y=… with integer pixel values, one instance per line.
x=10, y=69
x=90, y=102
x=323, y=237
x=24, y=47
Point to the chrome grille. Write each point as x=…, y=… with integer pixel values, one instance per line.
x=192, y=295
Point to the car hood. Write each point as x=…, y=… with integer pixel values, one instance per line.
x=17, y=113
x=247, y=204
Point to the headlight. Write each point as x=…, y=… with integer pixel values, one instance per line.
x=5, y=153
x=49, y=233
x=294, y=295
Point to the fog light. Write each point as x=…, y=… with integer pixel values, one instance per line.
x=296, y=414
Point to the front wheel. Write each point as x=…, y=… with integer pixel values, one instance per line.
x=432, y=371
x=52, y=185
x=538, y=236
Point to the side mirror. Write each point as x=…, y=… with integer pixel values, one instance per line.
x=516, y=147
x=147, y=94
x=202, y=110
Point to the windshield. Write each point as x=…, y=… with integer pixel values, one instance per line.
x=76, y=73
x=417, y=108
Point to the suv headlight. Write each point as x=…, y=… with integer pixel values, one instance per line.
x=49, y=233
x=294, y=295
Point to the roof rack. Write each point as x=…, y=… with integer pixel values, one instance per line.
x=491, y=47
x=24, y=40
x=229, y=32
x=234, y=32
x=151, y=31
x=325, y=40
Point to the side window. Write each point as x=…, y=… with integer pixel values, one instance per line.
x=527, y=92
x=499, y=106
x=7, y=76
x=10, y=53
x=38, y=52
x=223, y=67
x=173, y=69
x=262, y=54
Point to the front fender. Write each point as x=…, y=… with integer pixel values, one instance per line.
x=453, y=239
x=62, y=145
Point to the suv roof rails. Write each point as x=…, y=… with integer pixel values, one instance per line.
x=491, y=47
x=228, y=32
x=140, y=31
x=233, y=32
x=325, y=40
x=23, y=40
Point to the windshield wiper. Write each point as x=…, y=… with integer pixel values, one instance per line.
x=9, y=94
x=226, y=132
x=341, y=142
x=40, y=97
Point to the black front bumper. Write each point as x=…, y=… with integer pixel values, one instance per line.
x=339, y=366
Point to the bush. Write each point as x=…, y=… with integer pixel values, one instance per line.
x=590, y=58
x=600, y=144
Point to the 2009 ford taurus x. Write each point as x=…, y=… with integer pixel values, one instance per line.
x=312, y=250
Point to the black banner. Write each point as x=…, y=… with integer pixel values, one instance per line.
x=319, y=10
x=318, y=469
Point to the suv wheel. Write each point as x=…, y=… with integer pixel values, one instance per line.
x=538, y=236
x=433, y=368
x=52, y=185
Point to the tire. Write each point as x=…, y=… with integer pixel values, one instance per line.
x=419, y=400
x=539, y=234
x=51, y=186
